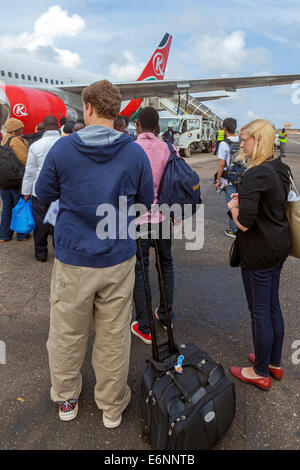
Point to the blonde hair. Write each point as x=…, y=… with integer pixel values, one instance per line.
x=263, y=132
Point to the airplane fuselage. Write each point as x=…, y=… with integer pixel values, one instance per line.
x=22, y=71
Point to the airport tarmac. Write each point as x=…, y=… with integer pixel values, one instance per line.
x=211, y=311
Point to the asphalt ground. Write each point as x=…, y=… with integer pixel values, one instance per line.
x=211, y=311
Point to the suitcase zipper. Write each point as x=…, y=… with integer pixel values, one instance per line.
x=178, y=420
x=189, y=415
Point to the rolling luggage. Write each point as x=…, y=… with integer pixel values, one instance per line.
x=188, y=403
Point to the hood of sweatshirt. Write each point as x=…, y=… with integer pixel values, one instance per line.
x=98, y=143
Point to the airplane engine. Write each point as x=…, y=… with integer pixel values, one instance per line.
x=29, y=105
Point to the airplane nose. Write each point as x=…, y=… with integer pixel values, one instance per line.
x=5, y=111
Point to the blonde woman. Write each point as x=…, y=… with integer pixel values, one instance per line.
x=264, y=242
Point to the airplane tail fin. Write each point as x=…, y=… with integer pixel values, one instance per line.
x=154, y=70
x=156, y=67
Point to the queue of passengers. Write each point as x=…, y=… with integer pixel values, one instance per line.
x=99, y=279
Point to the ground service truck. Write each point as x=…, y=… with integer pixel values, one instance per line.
x=192, y=132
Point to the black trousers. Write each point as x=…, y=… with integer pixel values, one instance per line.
x=42, y=230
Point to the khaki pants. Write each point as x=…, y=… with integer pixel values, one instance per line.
x=78, y=295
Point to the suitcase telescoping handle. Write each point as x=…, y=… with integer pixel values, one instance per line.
x=171, y=343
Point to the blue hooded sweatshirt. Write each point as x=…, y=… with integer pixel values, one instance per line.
x=87, y=171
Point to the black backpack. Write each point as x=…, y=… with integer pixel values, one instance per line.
x=179, y=185
x=11, y=169
x=234, y=173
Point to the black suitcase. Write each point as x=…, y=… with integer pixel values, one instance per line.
x=188, y=403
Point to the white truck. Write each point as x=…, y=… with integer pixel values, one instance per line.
x=192, y=132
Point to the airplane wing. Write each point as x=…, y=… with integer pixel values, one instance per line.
x=212, y=98
x=169, y=88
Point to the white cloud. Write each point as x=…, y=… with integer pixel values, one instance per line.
x=221, y=52
x=52, y=25
x=126, y=68
x=227, y=53
x=251, y=115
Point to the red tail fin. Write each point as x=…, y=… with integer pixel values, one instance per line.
x=154, y=70
x=156, y=67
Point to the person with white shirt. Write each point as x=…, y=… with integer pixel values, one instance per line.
x=229, y=126
x=36, y=157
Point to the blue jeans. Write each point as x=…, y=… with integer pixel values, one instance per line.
x=10, y=198
x=230, y=189
x=262, y=292
x=166, y=261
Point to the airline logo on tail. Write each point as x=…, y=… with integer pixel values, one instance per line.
x=156, y=67
x=154, y=70
x=158, y=64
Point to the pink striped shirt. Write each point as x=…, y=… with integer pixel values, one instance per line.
x=158, y=153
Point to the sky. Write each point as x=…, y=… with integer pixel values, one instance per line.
x=219, y=38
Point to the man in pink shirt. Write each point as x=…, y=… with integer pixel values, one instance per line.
x=158, y=153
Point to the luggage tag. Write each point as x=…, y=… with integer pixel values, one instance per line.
x=178, y=367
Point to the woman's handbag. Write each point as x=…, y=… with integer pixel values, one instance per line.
x=234, y=254
x=293, y=216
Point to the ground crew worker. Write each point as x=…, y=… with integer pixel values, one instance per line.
x=283, y=142
x=220, y=138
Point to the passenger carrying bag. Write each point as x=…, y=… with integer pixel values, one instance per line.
x=188, y=403
x=179, y=184
x=293, y=216
x=234, y=173
x=22, y=219
x=11, y=169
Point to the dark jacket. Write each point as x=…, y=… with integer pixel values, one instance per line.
x=88, y=172
x=168, y=136
x=262, y=197
x=31, y=138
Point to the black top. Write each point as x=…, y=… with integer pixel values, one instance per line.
x=262, y=197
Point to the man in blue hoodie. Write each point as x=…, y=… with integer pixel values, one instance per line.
x=92, y=172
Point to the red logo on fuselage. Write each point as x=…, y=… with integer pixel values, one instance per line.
x=20, y=110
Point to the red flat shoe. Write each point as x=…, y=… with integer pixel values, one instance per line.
x=263, y=383
x=276, y=373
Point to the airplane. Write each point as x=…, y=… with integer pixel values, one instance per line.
x=30, y=89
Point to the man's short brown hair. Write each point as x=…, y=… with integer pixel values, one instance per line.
x=104, y=97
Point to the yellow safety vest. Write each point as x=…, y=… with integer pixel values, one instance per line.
x=282, y=137
x=221, y=135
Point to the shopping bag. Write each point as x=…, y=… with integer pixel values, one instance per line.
x=293, y=216
x=22, y=220
x=50, y=217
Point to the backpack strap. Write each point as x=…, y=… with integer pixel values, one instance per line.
x=171, y=148
x=229, y=142
x=7, y=144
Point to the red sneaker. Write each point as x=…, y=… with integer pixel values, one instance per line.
x=276, y=373
x=68, y=409
x=135, y=330
x=263, y=383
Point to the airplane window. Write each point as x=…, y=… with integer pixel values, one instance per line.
x=2, y=73
x=23, y=76
x=46, y=80
x=16, y=75
x=56, y=81
x=35, y=79
x=29, y=77
x=41, y=80
x=9, y=74
x=62, y=83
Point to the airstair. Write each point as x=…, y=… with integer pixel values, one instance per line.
x=185, y=104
